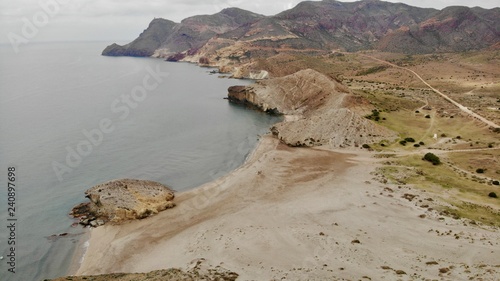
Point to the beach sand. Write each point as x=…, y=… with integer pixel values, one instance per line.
x=302, y=214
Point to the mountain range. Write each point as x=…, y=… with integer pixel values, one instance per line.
x=323, y=25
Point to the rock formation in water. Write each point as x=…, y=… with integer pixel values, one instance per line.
x=120, y=200
x=318, y=109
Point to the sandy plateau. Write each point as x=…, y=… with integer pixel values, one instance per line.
x=303, y=214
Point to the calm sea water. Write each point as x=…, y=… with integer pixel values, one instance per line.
x=176, y=129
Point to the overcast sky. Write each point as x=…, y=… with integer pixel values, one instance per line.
x=123, y=20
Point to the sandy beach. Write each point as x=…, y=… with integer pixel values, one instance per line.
x=302, y=214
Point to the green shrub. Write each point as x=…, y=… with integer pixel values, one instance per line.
x=375, y=115
x=431, y=157
x=366, y=146
x=416, y=145
x=495, y=182
x=480, y=171
x=410, y=140
x=493, y=195
x=371, y=70
x=403, y=142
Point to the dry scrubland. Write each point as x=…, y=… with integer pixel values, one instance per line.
x=410, y=108
x=463, y=144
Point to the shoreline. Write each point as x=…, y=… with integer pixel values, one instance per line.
x=80, y=254
x=325, y=218
x=200, y=191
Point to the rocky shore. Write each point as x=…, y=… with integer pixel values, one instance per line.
x=121, y=200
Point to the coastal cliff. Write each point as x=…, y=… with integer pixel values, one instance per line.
x=147, y=42
x=317, y=26
x=165, y=38
x=319, y=110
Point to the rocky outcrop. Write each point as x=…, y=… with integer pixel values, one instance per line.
x=294, y=94
x=120, y=200
x=318, y=109
x=340, y=127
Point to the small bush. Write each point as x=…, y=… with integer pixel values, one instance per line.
x=493, y=195
x=366, y=146
x=431, y=157
x=421, y=143
x=374, y=116
x=416, y=145
x=490, y=145
x=480, y=171
x=495, y=182
x=403, y=142
x=427, y=116
x=410, y=140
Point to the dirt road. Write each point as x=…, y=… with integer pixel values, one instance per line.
x=460, y=106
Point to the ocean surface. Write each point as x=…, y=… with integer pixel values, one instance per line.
x=71, y=118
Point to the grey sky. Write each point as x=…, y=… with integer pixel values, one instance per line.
x=115, y=20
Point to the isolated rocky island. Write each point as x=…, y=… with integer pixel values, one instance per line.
x=343, y=188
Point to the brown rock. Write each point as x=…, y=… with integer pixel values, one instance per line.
x=444, y=270
x=121, y=200
x=321, y=111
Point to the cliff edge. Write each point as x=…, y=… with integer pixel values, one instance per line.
x=319, y=110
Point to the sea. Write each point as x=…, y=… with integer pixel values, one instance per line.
x=71, y=118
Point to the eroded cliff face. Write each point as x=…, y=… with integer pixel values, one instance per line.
x=120, y=200
x=318, y=110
